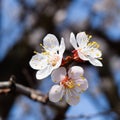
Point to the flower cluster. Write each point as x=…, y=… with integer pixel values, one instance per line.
x=70, y=81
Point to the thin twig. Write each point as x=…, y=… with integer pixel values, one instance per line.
x=107, y=112
x=9, y=86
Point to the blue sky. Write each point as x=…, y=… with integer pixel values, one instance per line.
x=11, y=28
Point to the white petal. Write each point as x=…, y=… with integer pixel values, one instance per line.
x=38, y=61
x=58, y=63
x=58, y=74
x=41, y=74
x=73, y=40
x=50, y=42
x=95, y=62
x=81, y=85
x=75, y=72
x=82, y=56
x=56, y=93
x=62, y=101
x=82, y=39
x=72, y=97
x=62, y=46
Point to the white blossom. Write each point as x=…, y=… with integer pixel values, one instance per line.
x=87, y=51
x=50, y=59
x=69, y=86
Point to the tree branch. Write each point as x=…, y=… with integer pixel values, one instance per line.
x=107, y=112
x=9, y=86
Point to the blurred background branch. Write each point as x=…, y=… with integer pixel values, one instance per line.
x=87, y=117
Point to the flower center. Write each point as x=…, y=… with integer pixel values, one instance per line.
x=53, y=59
x=68, y=83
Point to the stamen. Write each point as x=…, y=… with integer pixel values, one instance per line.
x=44, y=47
x=35, y=52
x=90, y=36
x=45, y=53
x=100, y=58
x=93, y=44
x=68, y=83
x=41, y=45
x=97, y=54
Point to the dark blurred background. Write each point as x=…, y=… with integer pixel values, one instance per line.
x=23, y=25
